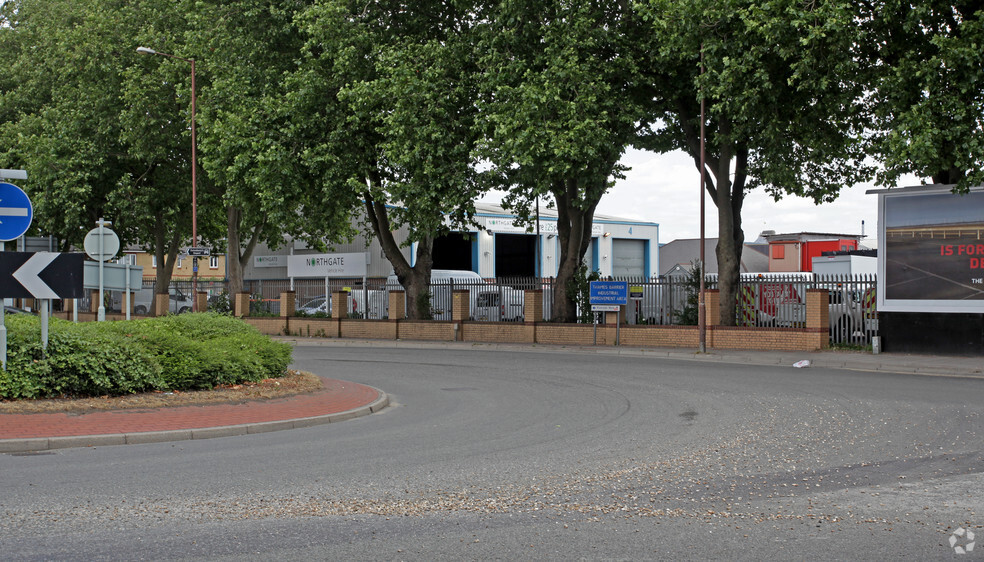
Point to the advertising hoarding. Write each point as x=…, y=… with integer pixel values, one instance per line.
x=932, y=251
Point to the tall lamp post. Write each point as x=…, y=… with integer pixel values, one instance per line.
x=194, y=171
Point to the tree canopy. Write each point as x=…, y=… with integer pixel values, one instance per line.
x=561, y=100
x=782, y=86
x=384, y=104
x=927, y=81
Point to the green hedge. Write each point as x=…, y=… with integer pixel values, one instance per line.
x=182, y=352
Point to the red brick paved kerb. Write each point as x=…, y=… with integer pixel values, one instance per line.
x=337, y=401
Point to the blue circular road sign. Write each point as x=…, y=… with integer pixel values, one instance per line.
x=16, y=212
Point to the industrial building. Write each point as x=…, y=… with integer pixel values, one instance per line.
x=501, y=248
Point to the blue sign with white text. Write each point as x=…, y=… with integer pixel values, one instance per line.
x=609, y=292
x=16, y=212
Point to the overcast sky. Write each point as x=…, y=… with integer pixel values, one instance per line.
x=665, y=189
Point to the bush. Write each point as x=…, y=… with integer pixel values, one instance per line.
x=183, y=352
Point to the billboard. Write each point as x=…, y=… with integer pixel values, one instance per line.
x=932, y=251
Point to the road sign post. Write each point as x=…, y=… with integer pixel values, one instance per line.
x=16, y=212
x=609, y=296
x=101, y=244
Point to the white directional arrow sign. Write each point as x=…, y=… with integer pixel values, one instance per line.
x=27, y=275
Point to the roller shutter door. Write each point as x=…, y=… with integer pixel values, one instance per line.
x=628, y=258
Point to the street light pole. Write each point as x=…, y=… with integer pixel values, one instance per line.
x=701, y=304
x=194, y=172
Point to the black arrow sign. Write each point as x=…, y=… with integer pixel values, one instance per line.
x=27, y=275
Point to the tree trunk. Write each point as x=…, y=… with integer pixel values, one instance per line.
x=166, y=254
x=235, y=281
x=728, y=196
x=416, y=279
x=731, y=239
x=237, y=256
x=574, y=231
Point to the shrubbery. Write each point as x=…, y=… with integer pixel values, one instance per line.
x=183, y=352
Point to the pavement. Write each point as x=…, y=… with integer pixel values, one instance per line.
x=342, y=400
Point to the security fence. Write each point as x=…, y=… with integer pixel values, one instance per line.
x=776, y=300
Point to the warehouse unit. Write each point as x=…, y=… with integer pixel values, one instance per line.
x=500, y=248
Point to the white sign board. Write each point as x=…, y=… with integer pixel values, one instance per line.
x=496, y=224
x=604, y=308
x=114, y=276
x=269, y=261
x=105, y=249
x=327, y=265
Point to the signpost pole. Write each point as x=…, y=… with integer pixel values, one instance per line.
x=126, y=300
x=45, y=306
x=101, y=314
x=595, y=316
x=3, y=338
x=13, y=175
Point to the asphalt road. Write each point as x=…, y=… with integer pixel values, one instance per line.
x=533, y=455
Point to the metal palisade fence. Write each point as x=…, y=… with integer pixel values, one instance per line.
x=775, y=300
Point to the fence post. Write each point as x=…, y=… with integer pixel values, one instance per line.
x=712, y=302
x=339, y=304
x=240, y=304
x=288, y=303
x=397, y=305
x=459, y=305
x=533, y=305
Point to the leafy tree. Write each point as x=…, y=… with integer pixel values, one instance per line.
x=247, y=49
x=925, y=58
x=561, y=100
x=384, y=104
x=98, y=137
x=782, y=84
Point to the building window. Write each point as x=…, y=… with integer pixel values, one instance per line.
x=778, y=251
x=153, y=261
x=213, y=262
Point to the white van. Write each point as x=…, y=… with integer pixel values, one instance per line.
x=442, y=281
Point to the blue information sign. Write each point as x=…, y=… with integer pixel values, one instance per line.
x=609, y=292
x=16, y=212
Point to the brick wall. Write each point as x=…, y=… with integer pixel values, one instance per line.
x=270, y=325
x=497, y=332
x=368, y=329
x=426, y=330
x=313, y=327
x=718, y=337
x=660, y=336
x=572, y=334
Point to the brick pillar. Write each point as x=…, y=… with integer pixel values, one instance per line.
x=68, y=305
x=240, y=305
x=201, y=301
x=616, y=317
x=162, y=304
x=133, y=301
x=459, y=306
x=339, y=304
x=817, y=313
x=712, y=306
x=94, y=301
x=397, y=305
x=533, y=306
x=288, y=303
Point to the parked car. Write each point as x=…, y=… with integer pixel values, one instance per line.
x=375, y=305
x=499, y=303
x=179, y=302
x=442, y=282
